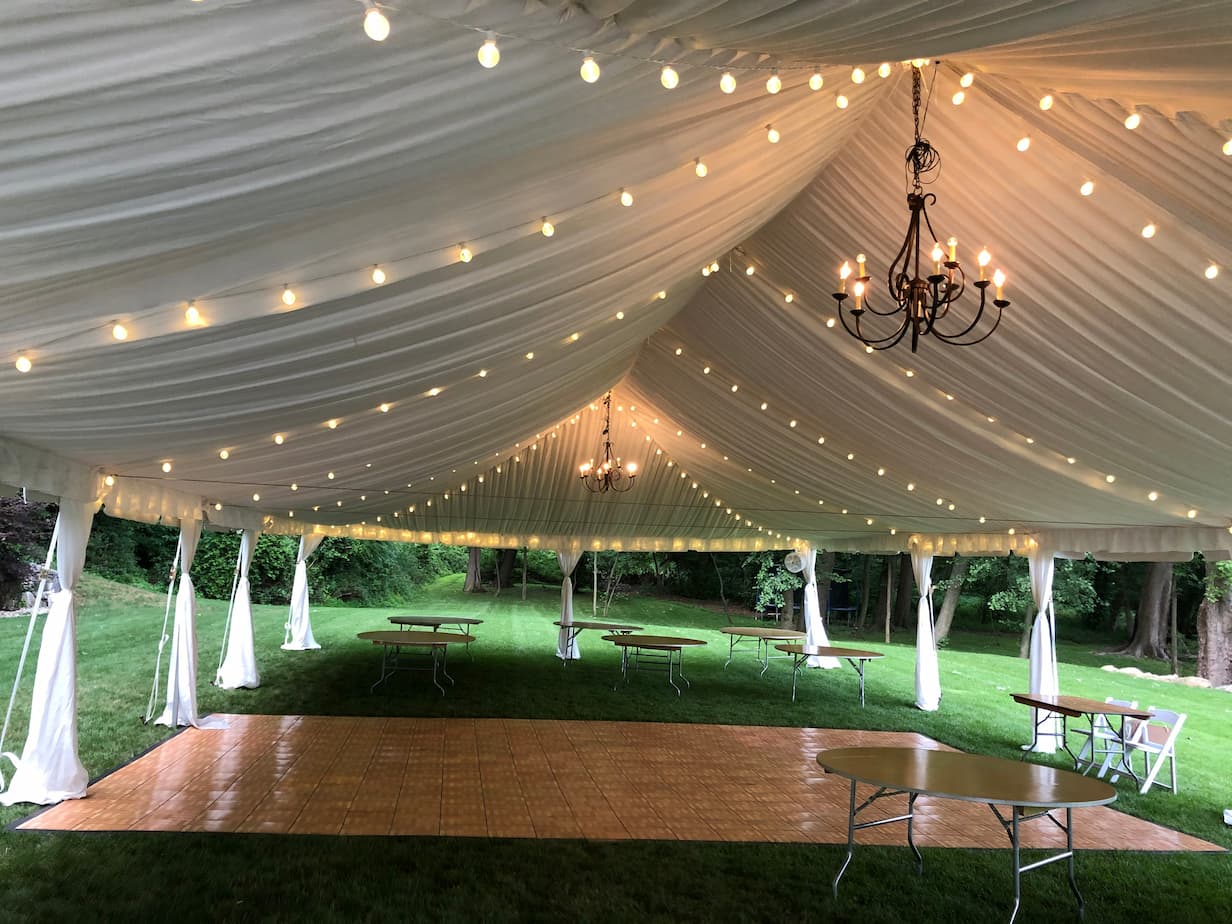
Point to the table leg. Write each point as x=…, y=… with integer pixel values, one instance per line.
x=795, y=674
x=624, y=668
x=669, y=672
x=919, y=859
x=680, y=667
x=731, y=650
x=384, y=673
x=445, y=663
x=1069, y=846
x=1125, y=763
x=763, y=653
x=1017, y=862
x=851, y=837
x=858, y=664
x=435, y=651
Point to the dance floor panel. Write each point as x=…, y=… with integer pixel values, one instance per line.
x=529, y=778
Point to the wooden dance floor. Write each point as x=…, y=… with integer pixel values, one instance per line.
x=529, y=778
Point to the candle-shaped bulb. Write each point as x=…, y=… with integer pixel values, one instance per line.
x=952, y=243
x=983, y=259
x=631, y=468
x=937, y=255
x=858, y=289
x=998, y=279
x=843, y=273
x=861, y=261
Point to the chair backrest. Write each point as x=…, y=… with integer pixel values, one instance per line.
x=1162, y=729
x=1101, y=721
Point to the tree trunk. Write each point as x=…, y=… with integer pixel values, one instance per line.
x=504, y=567
x=1215, y=629
x=949, y=605
x=902, y=599
x=1151, y=627
x=654, y=560
x=1024, y=640
x=865, y=590
x=885, y=593
x=789, y=608
x=474, y=580
x=825, y=570
x=722, y=592
x=525, y=556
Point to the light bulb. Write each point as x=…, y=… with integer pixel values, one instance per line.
x=1024, y=142
x=773, y=82
x=1227, y=147
x=589, y=69
x=109, y=481
x=489, y=54
x=288, y=295
x=1046, y=102
x=166, y=468
x=714, y=267
x=482, y=373
x=376, y=26
x=1132, y=121
x=750, y=270
x=1210, y=273
x=631, y=468
x=789, y=298
x=378, y=275
x=816, y=82
x=840, y=101
x=662, y=294
x=919, y=63
x=705, y=270
x=384, y=408
x=626, y=198
x=530, y=355
x=957, y=98
x=844, y=271
x=735, y=388
x=1087, y=188
x=1153, y=496
x=772, y=134
x=998, y=280
x=465, y=254
x=433, y=392
x=224, y=454
x=119, y=331
x=279, y=439
x=547, y=228
x=256, y=497
x=1110, y=478
x=883, y=70
x=332, y=424
x=1191, y=513
x=699, y=167
x=191, y=314
x=668, y=77
x=218, y=506
x=727, y=83
x=829, y=322
x=24, y=364
x=857, y=75
x=1148, y=231
x=966, y=80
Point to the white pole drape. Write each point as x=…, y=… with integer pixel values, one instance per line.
x=1043, y=669
x=814, y=625
x=927, y=673
x=49, y=769
x=181, y=708
x=299, y=623
x=239, y=667
x=565, y=649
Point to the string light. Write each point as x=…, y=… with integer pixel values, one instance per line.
x=224, y=454
x=1046, y=102
x=288, y=295
x=465, y=254
x=1153, y=496
x=1024, y=143
x=256, y=497
x=626, y=198
x=384, y=408
x=530, y=354
x=547, y=229
x=1191, y=513
x=191, y=314
x=1148, y=230
x=668, y=77
x=857, y=75
x=23, y=363
x=957, y=98
x=332, y=423
x=589, y=70
x=166, y=468
x=662, y=294
x=378, y=276
x=109, y=481
x=376, y=25
x=1132, y=121
x=750, y=270
x=433, y=392
x=699, y=167
x=772, y=134
x=727, y=83
x=774, y=83
x=279, y=439
x=788, y=297
x=1211, y=271
x=883, y=70
x=119, y=331
x=1110, y=479
x=1227, y=148
x=1087, y=188
x=816, y=81
x=840, y=101
x=966, y=80
x=489, y=53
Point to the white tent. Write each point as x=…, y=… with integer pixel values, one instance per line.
x=186, y=170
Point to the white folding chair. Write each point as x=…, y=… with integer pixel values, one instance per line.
x=1100, y=735
x=1156, y=739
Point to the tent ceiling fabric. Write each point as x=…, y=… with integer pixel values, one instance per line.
x=216, y=152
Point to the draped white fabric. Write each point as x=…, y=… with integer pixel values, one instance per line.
x=814, y=625
x=299, y=623
x=181, y=708
x=927, y=672
x=222, y=150
x=49, y=769
x=567, y=559
x=239, y=667
x=1043, y=668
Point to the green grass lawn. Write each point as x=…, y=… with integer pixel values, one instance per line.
x=514, y=673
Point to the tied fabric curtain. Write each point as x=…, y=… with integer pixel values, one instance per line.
x=927, y=673
x=239, y=668
x=1043, y=669
x=299, y=624
x=49, y=769
x=814, y=625
x=181, y=708
x=566, y=650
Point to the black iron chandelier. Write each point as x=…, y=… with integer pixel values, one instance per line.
x=608, y=474
x=922, y=300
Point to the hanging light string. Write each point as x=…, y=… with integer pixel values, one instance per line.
x=196, y=309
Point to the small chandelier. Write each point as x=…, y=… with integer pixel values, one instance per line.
x=609, y=474
x=921, y=300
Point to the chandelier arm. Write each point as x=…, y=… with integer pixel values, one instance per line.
x=974, y=321
x=882, y=343
x=952, y=339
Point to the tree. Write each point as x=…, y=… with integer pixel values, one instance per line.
x=902, y=599
x=825, y=574
x=1215, y=625
x=1150, y=636
x=866, y=587
x=953, y=590
x=474, y=579
x=25, y=530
